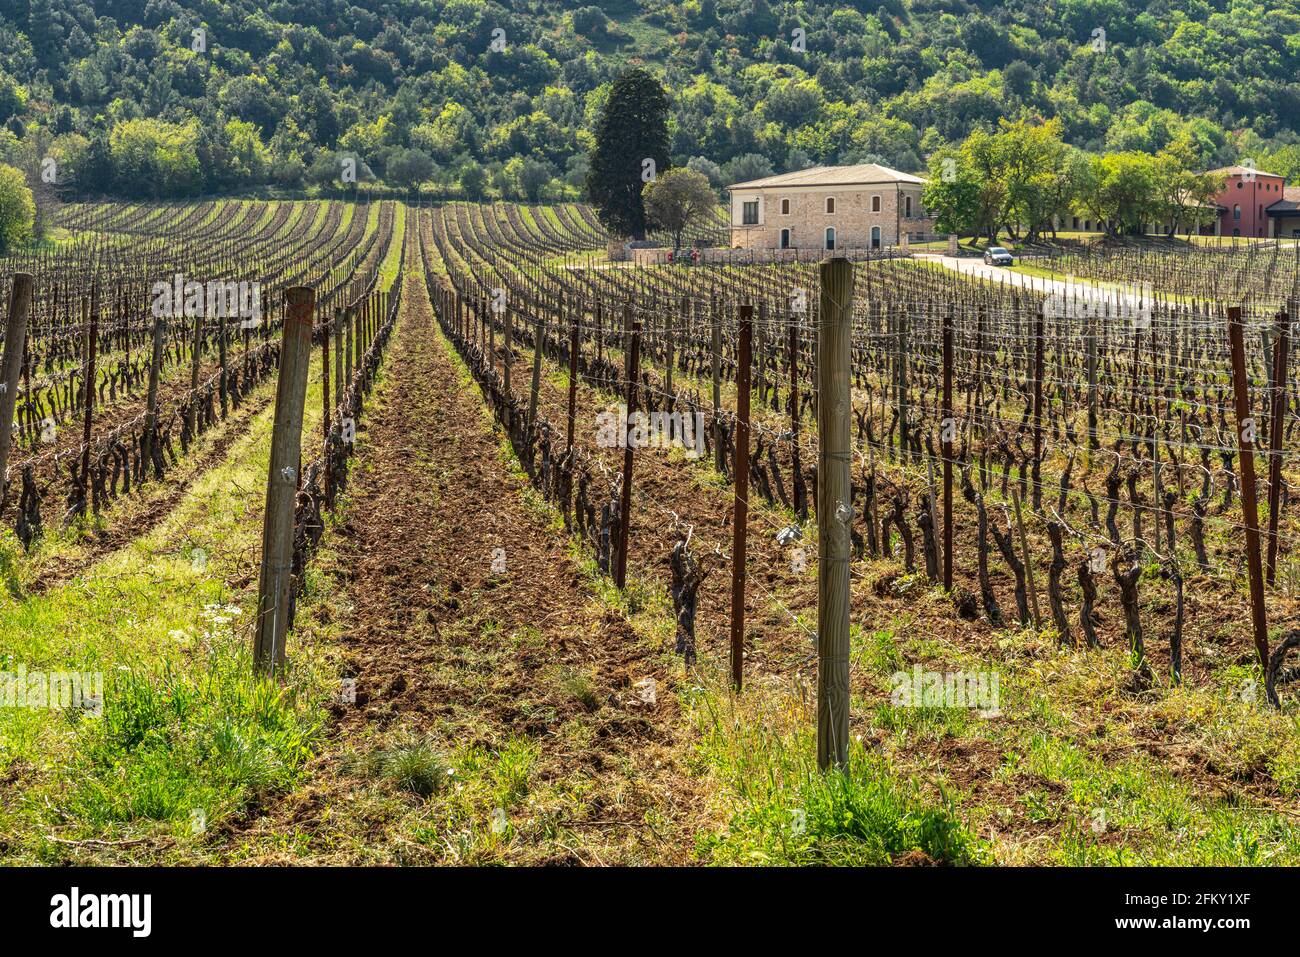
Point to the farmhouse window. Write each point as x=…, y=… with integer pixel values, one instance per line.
x=875, y=204
x=785, y=207
x=750, y=213
x=830, y=205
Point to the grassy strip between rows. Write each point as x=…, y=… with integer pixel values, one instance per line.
x=187, y=736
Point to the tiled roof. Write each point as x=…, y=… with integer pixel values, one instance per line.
x=1242, y=170
x=1288, y=205
x=859, y=175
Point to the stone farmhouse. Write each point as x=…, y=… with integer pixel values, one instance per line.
x=829, y=207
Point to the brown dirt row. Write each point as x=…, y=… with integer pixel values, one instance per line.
x=446, y=650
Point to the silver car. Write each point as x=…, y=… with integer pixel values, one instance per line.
x=997, y=256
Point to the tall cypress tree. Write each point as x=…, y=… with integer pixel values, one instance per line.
x=633, y=128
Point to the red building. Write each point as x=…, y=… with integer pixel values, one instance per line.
x=1244, y=201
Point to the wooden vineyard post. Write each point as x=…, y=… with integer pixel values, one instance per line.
x=363, y=331
x=275, y=584
x=327, y=418
x=947, y=432
x=151, y=407
x=1090, y=332
x=670, y=342
x=367, y=327
x=508, y=335
x=196, y=361
x=715, y=351
x=740, y=507
x=834, y=511
x=796, y=465
x=1275, y=431
x=574, y=344
x=901, y=373
x=536, y=385
x=92, y=351
x=338, y=357
x=1249, y=507
x=491, y=333
x=1035, y=472
x=349, y=320
x=221, y=359
x=625, y=508
x=20, y=304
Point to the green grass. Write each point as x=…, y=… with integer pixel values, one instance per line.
x=208, y=739
x=761, y=752
x=388, y=269
x=186, y=727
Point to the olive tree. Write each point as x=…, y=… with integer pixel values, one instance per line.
x=678, y=198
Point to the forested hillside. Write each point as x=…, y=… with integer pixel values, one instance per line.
x=158, y=98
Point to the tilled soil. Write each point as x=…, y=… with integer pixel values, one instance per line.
x=447, y=647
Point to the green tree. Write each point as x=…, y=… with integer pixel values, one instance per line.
x=17, y=209
x=1185, y=194
x=1120, y=190
x=744, y=168
x=678, y=198
x=631, y=135
x=1040, y=180
x=409, y=167
x=952, y=194
x=13, y=98
x=533, y=177
x=472, y=180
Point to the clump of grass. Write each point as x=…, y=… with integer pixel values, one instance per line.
x=175, y=741
x=582, y=688
x=513, y=770
x=762, y=751
x=413, y=766
x=11, y=564
x=875, y=651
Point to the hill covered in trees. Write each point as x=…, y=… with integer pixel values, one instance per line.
x=158, y=98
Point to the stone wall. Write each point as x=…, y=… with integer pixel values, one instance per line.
x=857, y=210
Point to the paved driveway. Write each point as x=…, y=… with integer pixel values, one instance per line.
x=1101, y=297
